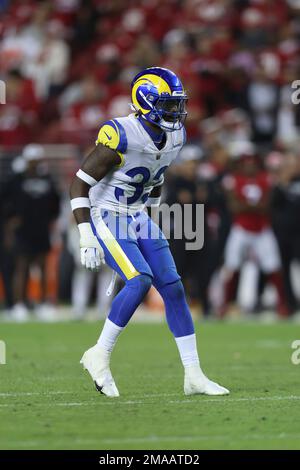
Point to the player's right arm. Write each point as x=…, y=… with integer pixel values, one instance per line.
x=96, y=166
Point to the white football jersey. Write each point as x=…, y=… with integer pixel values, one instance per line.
x=126, y=188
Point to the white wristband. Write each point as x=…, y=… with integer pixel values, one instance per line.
x=153, y=201
x=78, y=202
x=86, y=178
x=87, y=237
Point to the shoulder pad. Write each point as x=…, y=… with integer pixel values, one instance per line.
x=112, y=134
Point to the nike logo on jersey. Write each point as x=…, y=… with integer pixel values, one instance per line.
x=109, y=138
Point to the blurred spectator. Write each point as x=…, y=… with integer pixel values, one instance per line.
x=286, y=220
x=36, y=206
x=84, y=26
x=22, y=36
x=248, y=192
x=19, y=116
x=145, y=52
x=49, y=69
x=83, y=110
x=229, y=54
x=263, y=102
x=235, y=126
x=288, y=123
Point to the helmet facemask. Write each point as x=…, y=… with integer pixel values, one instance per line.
x=171, y=111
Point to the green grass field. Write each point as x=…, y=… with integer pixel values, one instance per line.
x=48, y=402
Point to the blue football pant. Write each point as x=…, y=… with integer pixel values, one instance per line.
x=135, y=247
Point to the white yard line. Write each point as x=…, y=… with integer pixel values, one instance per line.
x=229, y=439
x=22, y=444
x=45, y=394
x=116, y=402
x=25, y=394
x=252, y=437
x=235, y=400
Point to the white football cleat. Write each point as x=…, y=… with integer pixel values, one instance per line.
x=195, y=382
x=95, y=361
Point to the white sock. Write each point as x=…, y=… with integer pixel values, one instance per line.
x=109, y=336
x=187, y=347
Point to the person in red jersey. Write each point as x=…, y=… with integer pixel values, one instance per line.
x=248, y=190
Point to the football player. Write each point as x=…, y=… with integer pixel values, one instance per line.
x=121, y=176
x=248, y=192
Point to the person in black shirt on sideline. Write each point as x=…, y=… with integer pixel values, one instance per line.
x=36, y=206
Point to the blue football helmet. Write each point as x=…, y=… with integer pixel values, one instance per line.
x=158, y=97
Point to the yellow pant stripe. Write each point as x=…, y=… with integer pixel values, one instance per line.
x=116, y=250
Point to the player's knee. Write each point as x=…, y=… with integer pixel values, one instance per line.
x=145, y=281
x=141, y=284
x=166, y=276
x=175, y=290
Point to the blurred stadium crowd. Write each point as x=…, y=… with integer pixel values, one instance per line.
x=67, y=66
